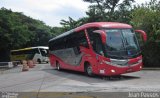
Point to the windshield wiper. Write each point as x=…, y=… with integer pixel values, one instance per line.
x=139, y=52
x=117, y=56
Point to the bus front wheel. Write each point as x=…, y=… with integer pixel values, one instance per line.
x=58, y=66
x=88, y=69
x=39, y=61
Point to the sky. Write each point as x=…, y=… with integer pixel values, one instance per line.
x=51, y=12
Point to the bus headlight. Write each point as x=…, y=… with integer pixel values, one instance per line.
x=113, y=71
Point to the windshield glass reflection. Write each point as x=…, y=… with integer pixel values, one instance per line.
x=121, y=44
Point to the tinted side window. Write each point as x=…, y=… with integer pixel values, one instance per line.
x=97, y=44
x=57, y=44
x=73, y=40
x=82, y=40
x=90, y=33
x=51, y=46
x=30, y=51
x=44, y=52
x=76, y=39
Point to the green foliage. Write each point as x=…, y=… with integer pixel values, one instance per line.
x=12, y=32
x=57, y=31
x=102, y=10
x=70, y=23
x=18, y=30
x=147, y=18
x=109, y=10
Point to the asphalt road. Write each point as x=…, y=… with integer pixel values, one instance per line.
x=43, y=78
x=70, y=84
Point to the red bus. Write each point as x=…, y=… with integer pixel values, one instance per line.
x=103, y=48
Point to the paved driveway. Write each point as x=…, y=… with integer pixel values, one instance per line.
x=43, y=78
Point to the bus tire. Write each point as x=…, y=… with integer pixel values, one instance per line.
x=58, y=66
x=88, y=69
x=39, y=61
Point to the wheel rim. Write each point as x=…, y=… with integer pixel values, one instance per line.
x=89, y=70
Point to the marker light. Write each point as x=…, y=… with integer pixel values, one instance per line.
x=140, y=67
x=113, y=71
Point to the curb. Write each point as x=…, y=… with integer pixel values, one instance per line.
x=151, y=68
x=12, y=70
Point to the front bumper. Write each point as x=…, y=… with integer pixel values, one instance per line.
x=117, y=70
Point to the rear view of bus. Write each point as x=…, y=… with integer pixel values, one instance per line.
x=110, y=49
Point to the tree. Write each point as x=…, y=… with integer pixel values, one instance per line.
x=12, y=32
x=19, y=31
x=147, y=17
x=109, y=10
x=42, y=34
x=94, y=14
x=70, y=24
x=56, y=31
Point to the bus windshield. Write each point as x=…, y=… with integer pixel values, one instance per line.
x=44, y=52
x=121, y=44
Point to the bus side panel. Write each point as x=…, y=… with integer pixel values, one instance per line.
x=92, y=61
x=66, y=58
x=65, y=62
x=37, y=56
x=52, y=60
x=18, y=57
x=90, y=57
x=87, y=56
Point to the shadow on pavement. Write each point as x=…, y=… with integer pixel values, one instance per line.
x=80, y=76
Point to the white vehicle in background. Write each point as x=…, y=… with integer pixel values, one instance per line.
x=39, y=54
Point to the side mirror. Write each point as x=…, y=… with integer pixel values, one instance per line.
x=143, y=34
x=102, y=34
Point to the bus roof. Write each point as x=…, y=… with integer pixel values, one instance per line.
x=93, y=24
x=103, y=25
x=44, y=47
x=28, y=48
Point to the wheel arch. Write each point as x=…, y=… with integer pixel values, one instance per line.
x=56, y=62
x=86, y=63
